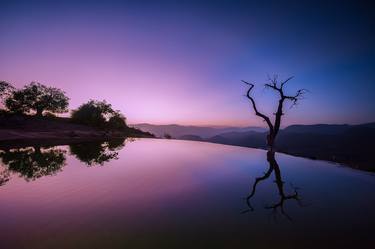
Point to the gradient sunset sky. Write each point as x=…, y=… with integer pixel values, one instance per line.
x=182, y=62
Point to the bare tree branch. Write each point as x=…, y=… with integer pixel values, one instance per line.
x=298, y=96
x=285, y=81
x=257, y=180
x=268, y=121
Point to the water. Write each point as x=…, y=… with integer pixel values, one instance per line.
x=151, y=193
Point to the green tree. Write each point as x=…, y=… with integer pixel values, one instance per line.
x=5, y=87
x=5, y=90
x=99, y=114
x=37, y=98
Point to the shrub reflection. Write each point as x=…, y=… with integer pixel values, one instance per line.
x=98, y=152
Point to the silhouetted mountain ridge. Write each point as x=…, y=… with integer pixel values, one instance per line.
x=349, y=144
x=324, y=128
x=177, y=131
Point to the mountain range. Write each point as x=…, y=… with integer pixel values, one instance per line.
x=177, y=131
x=352, y=145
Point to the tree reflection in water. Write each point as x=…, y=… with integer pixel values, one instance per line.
x=4, y=175
x=98, y=152
x=31, y=162
x=35, y=161
x=283, y=197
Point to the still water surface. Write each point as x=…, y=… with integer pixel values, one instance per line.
x=153, y=193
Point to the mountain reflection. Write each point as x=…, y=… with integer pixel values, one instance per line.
x=283, y=197
x=31, y=162
x=97, y=153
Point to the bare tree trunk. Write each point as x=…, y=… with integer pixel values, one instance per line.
x=39, y=112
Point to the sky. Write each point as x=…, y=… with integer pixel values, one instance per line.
x=182, y=62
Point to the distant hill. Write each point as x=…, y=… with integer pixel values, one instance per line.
x=177, y=131
x=190, y=137
x=353, y=145
x=247, y=139
x=324, y=128
x=317, y=129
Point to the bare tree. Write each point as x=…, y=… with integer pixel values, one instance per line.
x=278, y=86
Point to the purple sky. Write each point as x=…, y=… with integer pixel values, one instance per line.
x=182, y=62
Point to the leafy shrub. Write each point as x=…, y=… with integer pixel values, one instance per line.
x=99, y=114
x=117, y=122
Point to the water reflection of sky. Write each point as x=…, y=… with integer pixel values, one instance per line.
x=186, y=195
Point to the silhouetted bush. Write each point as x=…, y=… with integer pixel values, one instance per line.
x=37, y=98
x=117, y=122
x=99, y=114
